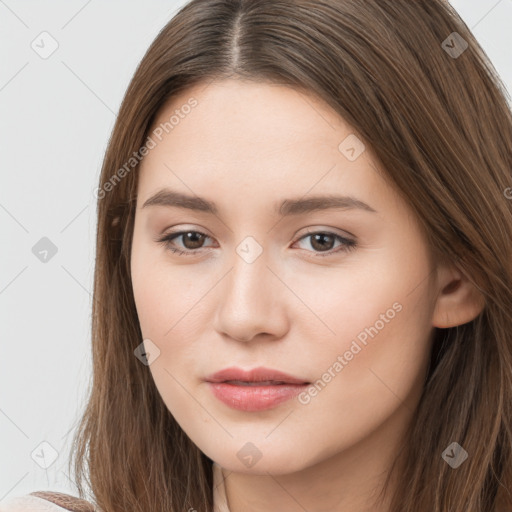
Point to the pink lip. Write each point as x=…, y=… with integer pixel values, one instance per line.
x=255, y=397
x=255, y=375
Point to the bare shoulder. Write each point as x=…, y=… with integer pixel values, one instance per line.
x=46, y=501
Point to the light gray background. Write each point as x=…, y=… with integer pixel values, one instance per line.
x=56, y=117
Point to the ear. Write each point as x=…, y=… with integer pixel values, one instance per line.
x=458, y=301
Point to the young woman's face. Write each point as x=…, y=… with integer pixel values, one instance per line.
x=278, y=271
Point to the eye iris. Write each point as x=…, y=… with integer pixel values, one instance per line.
x=322, y=236
x=194, y=237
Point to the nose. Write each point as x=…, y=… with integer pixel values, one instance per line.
x=252, y=302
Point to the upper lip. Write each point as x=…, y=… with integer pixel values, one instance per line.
x=255, y=375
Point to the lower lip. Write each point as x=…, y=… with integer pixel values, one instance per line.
x=255, y=398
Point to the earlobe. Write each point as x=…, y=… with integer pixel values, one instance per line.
x=458, y=300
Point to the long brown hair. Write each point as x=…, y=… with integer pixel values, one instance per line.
x=438, y=119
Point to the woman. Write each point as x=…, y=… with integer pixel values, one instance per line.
x=303, y=285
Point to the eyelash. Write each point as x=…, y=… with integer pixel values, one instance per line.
x=347, y=244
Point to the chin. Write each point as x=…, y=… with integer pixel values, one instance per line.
x=270, y=461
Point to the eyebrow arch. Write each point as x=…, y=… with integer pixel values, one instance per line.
x=170, y=198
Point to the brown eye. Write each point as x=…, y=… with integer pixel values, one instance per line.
x=191, y=240
x=323, y=242
x=320, y=242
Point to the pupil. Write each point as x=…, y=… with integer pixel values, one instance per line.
x=321, y=236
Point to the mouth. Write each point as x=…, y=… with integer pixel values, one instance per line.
x=255, y=383
x=260, y=376
x=255, y=390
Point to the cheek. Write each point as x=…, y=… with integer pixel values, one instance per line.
x=170, y=301
x=381, y=291
x=376, y=357
x=167, y=308
x=167, y=316
x=160, y=289
x=363, y=384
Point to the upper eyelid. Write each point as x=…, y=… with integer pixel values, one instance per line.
x=310, y=231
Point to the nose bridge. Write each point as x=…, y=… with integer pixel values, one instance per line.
x=248, y=283
x=249, y=268
x=250, y=295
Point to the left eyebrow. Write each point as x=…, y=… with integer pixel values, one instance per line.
x=287, y=207
x=315, y=203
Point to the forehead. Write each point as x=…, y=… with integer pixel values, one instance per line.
x=251, y=118
x=255, y=139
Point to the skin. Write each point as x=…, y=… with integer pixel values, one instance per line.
x=246, y=146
